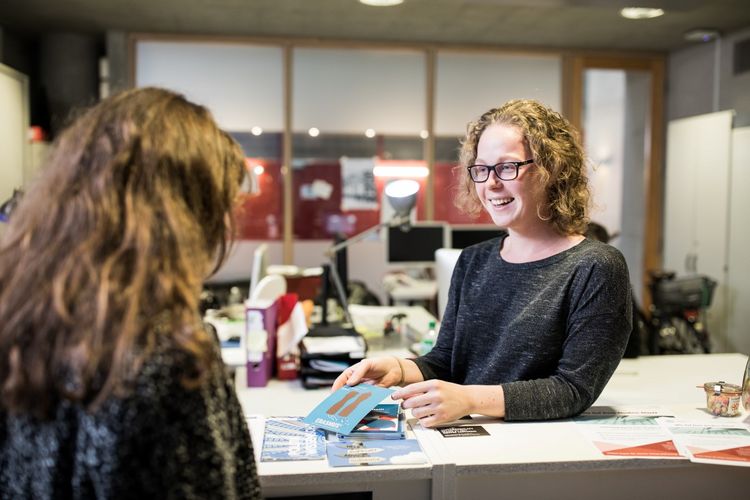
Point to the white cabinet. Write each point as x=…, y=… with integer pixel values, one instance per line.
x=697, y=205
x=738, y=278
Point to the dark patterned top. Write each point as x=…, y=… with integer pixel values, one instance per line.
x=551, y=332
x=160, y=441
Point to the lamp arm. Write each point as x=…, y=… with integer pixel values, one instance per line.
x=341, y=291
x=396, y=220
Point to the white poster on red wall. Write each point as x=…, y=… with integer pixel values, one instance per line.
x=358, y=190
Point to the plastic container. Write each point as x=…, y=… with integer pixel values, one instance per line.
x=428, y=341
x=722, y=399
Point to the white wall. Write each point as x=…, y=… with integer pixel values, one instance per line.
x=14, y=125
x=352, y=90
x=701, y=80
x=241, y=84
x=468, y=84
x=688, y=94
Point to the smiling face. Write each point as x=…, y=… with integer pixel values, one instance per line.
x=511, y=204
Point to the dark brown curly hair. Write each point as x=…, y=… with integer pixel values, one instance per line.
x=105, y=256
x=555, y=146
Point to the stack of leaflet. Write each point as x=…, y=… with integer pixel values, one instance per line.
x=385, y=421
x=324, y=356
x=288, y=438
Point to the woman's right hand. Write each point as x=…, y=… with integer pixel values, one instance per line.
x=383, y=372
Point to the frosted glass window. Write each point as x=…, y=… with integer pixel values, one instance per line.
x=604, y=118
x=241, y=84
x=469, y=84
x=349, y=91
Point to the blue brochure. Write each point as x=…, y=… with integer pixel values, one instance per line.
x=375, y=452
x=342, y=410
x=385, y=421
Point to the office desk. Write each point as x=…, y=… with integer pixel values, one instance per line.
x=526, y=460
x=546, y=459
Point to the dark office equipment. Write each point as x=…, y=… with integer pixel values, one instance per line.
x=677, y=324
x=465, y=236
x=417, y=244
x=741, y=54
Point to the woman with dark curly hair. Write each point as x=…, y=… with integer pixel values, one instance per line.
x=109, y=385
x=538, y=318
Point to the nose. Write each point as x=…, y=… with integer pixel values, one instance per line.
x=494, y=179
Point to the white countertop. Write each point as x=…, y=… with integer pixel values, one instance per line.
x=514, y=453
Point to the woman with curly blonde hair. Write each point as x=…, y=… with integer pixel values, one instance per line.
x=538, y=318
x=109, y=385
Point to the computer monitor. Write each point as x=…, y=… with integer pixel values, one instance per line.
x=416, y=246
x=470, y=234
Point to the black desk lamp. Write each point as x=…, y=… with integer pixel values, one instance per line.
x=402, y=196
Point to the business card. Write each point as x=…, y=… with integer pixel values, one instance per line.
x=463, y=431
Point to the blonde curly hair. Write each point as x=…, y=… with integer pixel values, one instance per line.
x=557, y=152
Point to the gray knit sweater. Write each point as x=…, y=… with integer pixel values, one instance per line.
x=551, y=332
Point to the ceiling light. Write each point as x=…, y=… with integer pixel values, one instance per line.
x=641, y=12
x=370, y=133
x=701, y=35
x=381, y=3
x=256, y=130
x=424, y=134
x=314, y=132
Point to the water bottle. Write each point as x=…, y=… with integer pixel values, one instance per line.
x=746, y=387
x=235, y=296
x=428, y=340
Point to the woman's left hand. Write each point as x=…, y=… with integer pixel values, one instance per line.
x=435, y=402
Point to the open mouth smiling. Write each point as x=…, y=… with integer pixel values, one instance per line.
x=500, y=202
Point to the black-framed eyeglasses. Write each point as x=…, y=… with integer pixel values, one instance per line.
x=505, y=171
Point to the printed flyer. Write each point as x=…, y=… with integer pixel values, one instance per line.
x=342, y=410
x=288, y=438
x=627, y=432
x=721, y=443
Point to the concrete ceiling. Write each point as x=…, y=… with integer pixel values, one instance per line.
x=574, y=24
